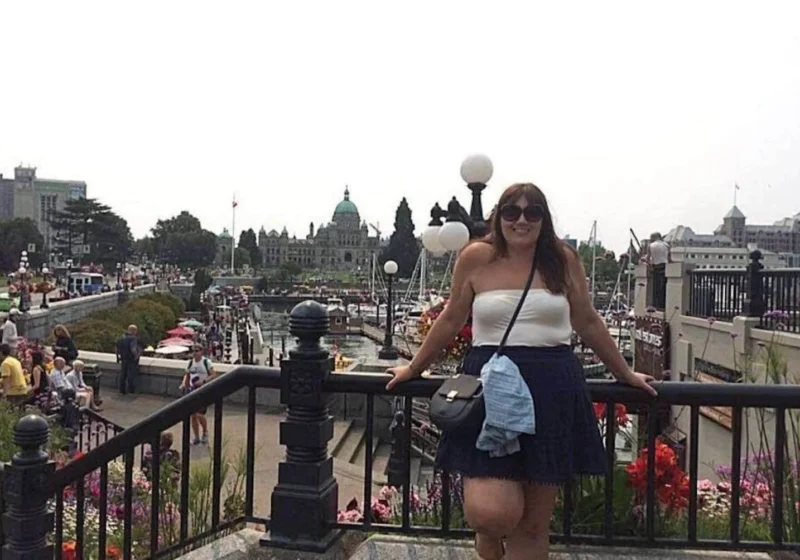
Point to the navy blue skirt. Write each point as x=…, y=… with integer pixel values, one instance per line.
x=567, y=440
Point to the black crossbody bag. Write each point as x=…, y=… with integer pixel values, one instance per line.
x=457, y=407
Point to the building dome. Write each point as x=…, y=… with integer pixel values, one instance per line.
x=225, y=234
x=345, y=207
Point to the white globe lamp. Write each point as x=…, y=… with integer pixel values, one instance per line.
x=22, y=270
x=390, y=268
x=45, y=270
x=477, y=168
x=453, y=236
x=430, y=240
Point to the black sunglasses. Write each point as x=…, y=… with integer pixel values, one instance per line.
x=512, y=212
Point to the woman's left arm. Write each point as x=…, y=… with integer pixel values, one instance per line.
x=591, y=328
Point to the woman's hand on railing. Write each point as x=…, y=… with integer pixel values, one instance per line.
x=399, y=374
x=639, y=381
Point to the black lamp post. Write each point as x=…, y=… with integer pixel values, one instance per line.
x=477, y=170
x=389, y=352
x=460, y=227
x=45, y=276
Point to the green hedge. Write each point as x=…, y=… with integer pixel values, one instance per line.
x=154, y=314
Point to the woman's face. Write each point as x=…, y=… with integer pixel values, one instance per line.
x=521, y=223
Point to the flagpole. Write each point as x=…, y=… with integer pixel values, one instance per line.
x=233, y=235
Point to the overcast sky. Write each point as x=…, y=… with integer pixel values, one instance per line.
x=622, y=113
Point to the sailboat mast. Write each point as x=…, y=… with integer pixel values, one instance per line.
x=423, y=273
x=593, y=239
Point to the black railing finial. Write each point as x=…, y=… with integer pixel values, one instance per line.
x=755, y=286
x=27, y=519
x=305, y=500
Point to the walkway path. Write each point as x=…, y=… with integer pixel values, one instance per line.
x=130, y=409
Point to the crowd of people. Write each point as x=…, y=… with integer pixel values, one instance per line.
x=34, y=375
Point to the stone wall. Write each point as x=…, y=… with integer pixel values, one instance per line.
x=739, y=346
x=38, y=323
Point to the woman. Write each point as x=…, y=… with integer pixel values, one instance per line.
x=512, y=497
x=64, y=347
x=83, y=393
x=38, y=374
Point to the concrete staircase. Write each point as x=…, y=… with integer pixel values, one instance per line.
x=349, y=450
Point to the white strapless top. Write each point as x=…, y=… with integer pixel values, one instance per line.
x=542, y=321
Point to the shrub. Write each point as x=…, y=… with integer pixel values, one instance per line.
x=154, y=314
x=174, y=303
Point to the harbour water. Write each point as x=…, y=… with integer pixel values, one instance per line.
x=275, y=326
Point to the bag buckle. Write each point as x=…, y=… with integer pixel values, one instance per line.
x=451, y=395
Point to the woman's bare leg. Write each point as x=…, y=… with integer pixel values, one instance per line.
x=493, y=508
x=530, y=540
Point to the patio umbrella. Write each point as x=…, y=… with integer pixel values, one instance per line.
x=181, y=331
x=175, y=341
x=191, y=323
x=169, y=350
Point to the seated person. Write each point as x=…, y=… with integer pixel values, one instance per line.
x=15, y=389
x=58, y=379
x=83, y=393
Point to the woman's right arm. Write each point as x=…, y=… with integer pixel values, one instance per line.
x=456, y=313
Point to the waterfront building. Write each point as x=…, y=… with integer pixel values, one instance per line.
x=344, y=244
x=781, y=237
x=722, y=257
x=27, y=196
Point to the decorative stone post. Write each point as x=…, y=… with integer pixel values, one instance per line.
x=755, y=286
x=27, y=519
x=305, y=500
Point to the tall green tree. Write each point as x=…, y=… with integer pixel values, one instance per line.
x=607, y=265
x=403, y=245
x=181, y=240
x=241, y=258
x=15, y=236
x=86, y=224
x=249, y=242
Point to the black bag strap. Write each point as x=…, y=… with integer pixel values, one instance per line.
x=519, y=305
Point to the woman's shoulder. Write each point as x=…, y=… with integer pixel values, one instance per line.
x=477, y=253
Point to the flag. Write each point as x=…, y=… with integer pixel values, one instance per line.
x=235, y=204
x=736, y=186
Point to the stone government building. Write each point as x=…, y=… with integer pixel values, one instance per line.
x=28, y=196
x=344, y=244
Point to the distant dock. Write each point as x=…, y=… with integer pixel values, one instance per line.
x=405, y=348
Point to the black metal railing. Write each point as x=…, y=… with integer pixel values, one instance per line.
x=101, y=506
x=717, y=293
x=770, y=294
x=781, y=288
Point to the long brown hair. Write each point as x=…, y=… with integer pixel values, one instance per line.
x=552, y=263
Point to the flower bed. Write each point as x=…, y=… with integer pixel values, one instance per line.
x=200, y=498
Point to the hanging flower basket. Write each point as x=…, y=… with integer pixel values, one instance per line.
x=456, y=349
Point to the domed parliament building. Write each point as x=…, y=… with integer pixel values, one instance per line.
x=344, y=244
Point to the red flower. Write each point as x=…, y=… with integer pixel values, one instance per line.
x=671, y=482
x=68, y=550
x=620, y=413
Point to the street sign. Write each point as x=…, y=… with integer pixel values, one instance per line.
x=31, y=247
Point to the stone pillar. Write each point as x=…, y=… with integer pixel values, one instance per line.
x=641, y=291
x=27, y=519
x=305, y=500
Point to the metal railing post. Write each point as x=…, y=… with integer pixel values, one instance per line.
x=27, y=520
x=755, y=286
x=305, y=500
